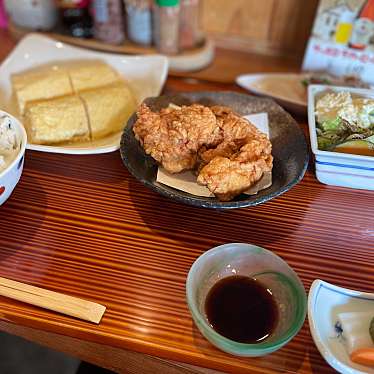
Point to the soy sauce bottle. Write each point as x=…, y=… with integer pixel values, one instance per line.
x=75, y=18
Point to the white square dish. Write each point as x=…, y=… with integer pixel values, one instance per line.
x=145, y=75
x=335, y=168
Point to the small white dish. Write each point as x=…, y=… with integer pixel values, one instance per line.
x=285, y=88
x=325, y=302
x=10, y=176
x=146, y=76
x=335, y=168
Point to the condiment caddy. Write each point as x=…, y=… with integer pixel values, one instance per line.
x=169, y=27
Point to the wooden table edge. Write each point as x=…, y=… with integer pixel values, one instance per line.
x=122, y=360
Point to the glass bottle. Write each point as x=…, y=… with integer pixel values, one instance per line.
x=75, y=17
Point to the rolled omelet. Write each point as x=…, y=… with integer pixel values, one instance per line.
x=88, y=74
x=72, y=101
x=40, y=84
x=60, y=79
x=108, y=108
x=59, y=120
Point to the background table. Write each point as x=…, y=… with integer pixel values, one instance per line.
x=84, y=226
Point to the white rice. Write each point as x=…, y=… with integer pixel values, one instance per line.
x=8, y=142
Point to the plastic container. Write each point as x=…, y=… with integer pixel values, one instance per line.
x=139, y=21
x=166, y=26
x=109, y=21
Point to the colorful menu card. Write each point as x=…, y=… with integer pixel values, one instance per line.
x=342, y=39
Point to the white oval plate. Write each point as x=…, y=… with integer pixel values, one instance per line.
x=325, y=301
x=146, y=76
x=286, y=88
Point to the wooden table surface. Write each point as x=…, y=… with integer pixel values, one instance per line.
x=82, y=225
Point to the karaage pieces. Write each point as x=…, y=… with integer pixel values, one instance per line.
x=228, y=177
x=174, y=135
x=229, y=152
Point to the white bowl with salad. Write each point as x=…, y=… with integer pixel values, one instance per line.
x=341, y=128
x=13, y=140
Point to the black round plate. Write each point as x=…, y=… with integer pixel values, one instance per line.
x=290, y=149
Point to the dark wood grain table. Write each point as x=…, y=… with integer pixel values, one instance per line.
x=82, y=225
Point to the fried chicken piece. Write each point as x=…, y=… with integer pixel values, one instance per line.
x=238, y=161
x=227, y=177
x=235, y=131
x=233, y=126
x=221, y=110
x=174, y=135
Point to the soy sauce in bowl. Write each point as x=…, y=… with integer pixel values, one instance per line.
x=241, y=309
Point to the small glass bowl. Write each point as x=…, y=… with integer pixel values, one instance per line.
x=266, y=267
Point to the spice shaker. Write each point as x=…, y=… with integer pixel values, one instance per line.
x=139, y=21
x=109, y=21
x=189, y=30
x=32, y=14
x=166, y=26
x=75, y=17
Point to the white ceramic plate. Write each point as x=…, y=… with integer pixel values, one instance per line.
x=286, y=89
x=146, y=76
x=325, y=301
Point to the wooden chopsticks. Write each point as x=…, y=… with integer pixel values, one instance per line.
x=58, y=302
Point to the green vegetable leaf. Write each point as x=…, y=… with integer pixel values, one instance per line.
x=371, y=329
x=332, y=124
x=324, y=143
